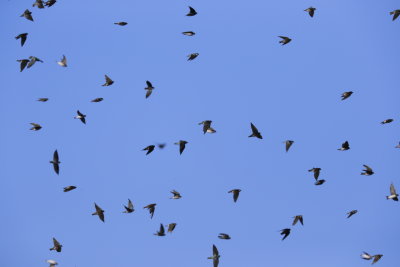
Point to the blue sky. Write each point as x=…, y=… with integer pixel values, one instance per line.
x=242, y=75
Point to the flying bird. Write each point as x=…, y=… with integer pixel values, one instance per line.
x=235, y=194
x=377, y=258
x=96, y=100
x=43, y=99
x=182, y=145
x=345, y=146
x=38, y=3
x=149, y=89
x=49, y=3
x=395, y=14
x=366, y=256
x=35, y=126
x=161, y=232
x=176, y=195
x=129, y=208
x=192, y=56
x=32, y=61
x=192, y=12
x=351, y=213
x=285, y=40
x=122, y=23
x=171, y=227
x=207, y=127
x=298, y=218
x=368, y=171
x=393, y=194
x=57, y=246
x=189, y=33
x=52, y=263
x=99, y=212
x=151, y=208
x=23, y=63
x=161, y=146
x=224, y=236
x=215, y=257
x=316, y=172
x=255, y=132
x=310, y=11
x=149, y=149
x=69, y=188
x=288, y=144
x=108, y=81
x=23, y=37
x=27, y=14
x=62, y=62
x=80, y=116
x=285, y=232
x=56, y=162
x=346, y=95
x=387, y=121
x=398, y=146
x=320, y=182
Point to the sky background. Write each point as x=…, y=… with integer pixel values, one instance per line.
x=242, y=75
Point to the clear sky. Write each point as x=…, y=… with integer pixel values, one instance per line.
x=242, y=75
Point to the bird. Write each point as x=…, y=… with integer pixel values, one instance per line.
x=398, y=146
x=377, y=257
x=161, y=146
x=176, y=195
x=171, y=227
x=285, y=232
x=161, y=232
x=57, y=246
x=32, y=61
x=192, y=12
x=320, y=182
x=99, y=212
x=298, y=218
x=49, y=3
x=255, y=132
x=215, y=257
x=188, y=33
x=62, y=62
x=368, y=171
x=108, y=81
x=130, y=208
x=366, y=256
x=182, y=145
x=351, y=213
x=35, y=126
x=395, y=14
x=393, y=194
x=149, y=149
x=387, y=121
x=149, y=89
x=285, y=40
x=38, y=3
x=288, y=144
x=346, y=95
x=207, y=127
x=56, y=162
x=224, y=236
x=192, y=56
x=23, y=37
x=52, y=263
x=27, y=14
x=310, y=11
x=345, y=146
x=80, y=116
x=23, y=63
x=151, y=208
x=96, y=100
x=316, y=172
x=121, y=23
x=235, y=194
x=69, y=188
x=43, y=99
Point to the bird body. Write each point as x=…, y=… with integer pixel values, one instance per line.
x=215, y=257
x=368, y=171
x=192, y=12
x=235, y=193
x=182, y=145
x=96, y=100
x=52, y=263
x=43, y=99
x=27, y=14
x=129, y=208
x=395, y=14
x=149, y=149
x=176, y=194
x=32, y=61
x=69, y=188
x=393, y=194
x=80, y=116
x=207, y=126
x=99, y=212
x=192, y=56
x=161, y=232
x=151, y=208
x=346, y=95
x=255, y=132
x=320, y=182
x=311, y=11
x=122, y=23
x=188, y=33
x=56, y=162
x=62, y=62
x=57, y=246
x=298, y=218
x=316, y=172
x=285, y=232
x=285, y=40
x=387, y=121
x=35, y=126
x=345, y=146
x=366, y=256
x=108, y=81
x=288, y=144
x=351, y=213
x=149, y=89
x=23, y=37
x=224, y=236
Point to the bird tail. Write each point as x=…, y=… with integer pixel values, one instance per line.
x=252, y=135
x=94, y=213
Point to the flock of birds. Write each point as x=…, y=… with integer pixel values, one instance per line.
x=28, y=63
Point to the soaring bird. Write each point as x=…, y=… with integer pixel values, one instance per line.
x=395, y=14
x=35, y=126
x=56, y=162
x=69, y=188
x=288, y=144
x=43, y=99
x=57, y=246
x=23, y=37
x=366, y=256
x=346, y=95
x=108, y=81
x=151, y=208
x=387, y=121
x=121, y=23
x=285, y=232
x=149, y=149
x=80, y=116
x=351, y=213
x=188, y=33
x=368, y=171
x=38, y=3
x=316, y=172
x=171, y=227
x=32, y=61
x=182, y=145
x=345, y=146
x=192, y=12
x=161, y=232
x=393, y=194
x=285, y=40
x=62, y=62
x=320, y=182
x=377, y=257
x=236, y=193
x=298, y=218
x=176, y=195
x=207, y=127
x=27, y=14
x=129, y=208
x=255, y=132
x=49, y=3
x=149, y=89
x=310, y=11
x=23, y=63
x=52, y=263
x=192, y=56
x=99, y=212
x=96, y=100
x=224, y=236
x=215, y=257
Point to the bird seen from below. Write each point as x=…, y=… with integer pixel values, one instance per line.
x=99, y=212
x=129, y=208
x=23, y=37
x=192, y=12
x=108, y=81
x=346, y=95
x=285, y=233
x=188, y=33
x=171, y=227
x=151, y=208
x=311, y=11
x=32, y=61
x=207, y=126
x=182, y=145
x=288, y=144
x=43, y=99
x=254, y=131
x=316, y=172
x=160, y=232
x=235, y=193
x=69, y=188
x=121, y=23
x=192, y=56
x=149, y=149
x=80, y=116
x=27, y=14
x=367, y=171
x=97, y=100
x=320, y=182
x=285, y=40
x=62, y=62
x=56, y=162
x=56, y=245
x=215, y=257
x=395, y=14
x=351, y=213
x=176, y=195
x=345, y=146
x=149, y=89
x=298, y=218
x=224, y=236
x=393, y=194
x=35, y=126
x=387, y=121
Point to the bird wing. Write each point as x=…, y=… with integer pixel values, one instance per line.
x=235, y=195
x=162, y=230
x=181, y=147
x=367, y=168
x=215, y=251
x=192, y=11
x=253, y=128
x=392, y=190
x=107, y=79
x=396, y=15
x=296, y=219
x=149, y=84
x=148, y=93
x=130, y=204
x=377, y=258
x=55, y=156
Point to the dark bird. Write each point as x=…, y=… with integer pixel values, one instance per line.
x=80, y=116
x=192, y=56
x=43, y=99
x=345, y=146
x=38, y=3
x=57, y=246
x=311, y=11
x=298, y=218
x=215, y=257
x=56, y=162
x=207, y=127
x=366, y=256
x=161, y=232
x=387, y=121
x=149, y=149
x=395, y=14
x=176, y=195
x=62, y=62
x=368, y=171
x=171, y=227
x=189, y=33
x=192, y=12
x=316, y=172
x=69, y=188
x=285, y=232
x=351, y=213
x=255, y=132
x=122, y=23
x=33, y=60
x=96, y=100
x=236, y=193
x=224, y=236
x=182, y=145
x=393, y=194
x=285, y=40
x=288, y=144
x=161, y=146
x=23, y=37
x=35, y=126
x=99, y=212
x=49, y=3
x=398, y=146
x=23, y=63
x=151, y=208
x=377, y=257
x=27, y=14
x=108, y=81
x=320, y=182
x=129, y=208
x=346, y=95
x=149, y=89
